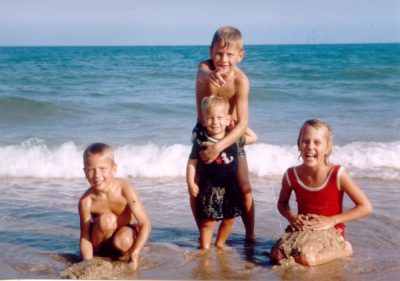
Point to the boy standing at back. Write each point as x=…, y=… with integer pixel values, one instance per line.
x=113, y=221
x=220, y=76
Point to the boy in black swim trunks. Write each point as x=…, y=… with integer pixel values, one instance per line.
x=112, y=218
x=216, y=190
x=221, y=76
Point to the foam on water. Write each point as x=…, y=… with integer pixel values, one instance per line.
x=34, y=158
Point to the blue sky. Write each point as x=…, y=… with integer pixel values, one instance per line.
x=192, y=22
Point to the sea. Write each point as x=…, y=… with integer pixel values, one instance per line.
x=55, y=101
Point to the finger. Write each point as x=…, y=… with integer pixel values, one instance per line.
x=205, y=143
x=221, y=80
x=216, y=83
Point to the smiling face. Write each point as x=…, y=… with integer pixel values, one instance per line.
x=226, y=56
x=314, y=145
x=99, y=170
x=216, y=119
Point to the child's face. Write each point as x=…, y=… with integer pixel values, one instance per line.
x=99, y=171
x=313, y=146
x=226, y=57
x=216, y=120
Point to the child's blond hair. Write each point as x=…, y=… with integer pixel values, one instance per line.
x=319, y=124
x=214, y=101
x=98, y=148
x=226, y=36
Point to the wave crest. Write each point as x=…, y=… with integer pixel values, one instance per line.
x=34, y=158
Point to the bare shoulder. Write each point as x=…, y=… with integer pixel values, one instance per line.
x=240, y=76
x=86, y=197
x=85, y=203
x=127, y=189
x=206, y=65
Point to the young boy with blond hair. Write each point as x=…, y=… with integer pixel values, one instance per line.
x=113, y=221
x=220, y=76
x=214, y=186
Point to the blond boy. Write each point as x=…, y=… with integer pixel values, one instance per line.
x=113, y=221
x=214, y=186
x=220, y=76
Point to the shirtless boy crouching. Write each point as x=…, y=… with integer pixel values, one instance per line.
x=113, y=221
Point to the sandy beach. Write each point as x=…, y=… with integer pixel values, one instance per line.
x=41, y=244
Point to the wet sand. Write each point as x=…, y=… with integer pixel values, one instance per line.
x=39, y=235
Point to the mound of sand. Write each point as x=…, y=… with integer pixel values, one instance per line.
x=97, y=268
x=290, y=245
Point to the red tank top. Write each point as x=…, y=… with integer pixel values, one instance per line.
x=325, y=200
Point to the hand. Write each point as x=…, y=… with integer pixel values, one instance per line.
x=134, y=261
x=210, y=153
x=217, y=77
x=194, y=190
x=231, y=125
x=321, y=222
x=299, y=222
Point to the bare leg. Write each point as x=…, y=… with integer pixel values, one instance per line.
x=313, y=253
x=248, y=202
x=276, y=253
x=223, y=232
x=206, y=233
x=192, y=201
x=103, y=228
x=124, y=239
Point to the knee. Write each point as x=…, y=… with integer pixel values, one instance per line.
x=207, y=224
x=244, y=185
x=123, y=242
x=107, y=222
x=348, y=249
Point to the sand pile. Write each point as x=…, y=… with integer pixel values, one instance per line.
x=291, y=243
x=97, y=268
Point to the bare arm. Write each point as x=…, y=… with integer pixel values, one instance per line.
x=251, y=136
x=85, y=244
x=203, y=80
x=241, y=105
x=296, y=221
x=144, y=225
x=283, y=201
x=190, y=177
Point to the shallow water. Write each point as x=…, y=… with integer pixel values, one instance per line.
x=140, y=100
x=39, y=234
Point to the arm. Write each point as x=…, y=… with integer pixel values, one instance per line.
x=85, y=244
x=144, y=225
x=241, y=105
x=251, y=136
x=191, y=177
x=296, y=221
x=207, y=78
x=361, y=209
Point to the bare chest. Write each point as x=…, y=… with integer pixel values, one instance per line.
x=115, y=205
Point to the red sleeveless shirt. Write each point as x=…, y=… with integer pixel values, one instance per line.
x=325, y=200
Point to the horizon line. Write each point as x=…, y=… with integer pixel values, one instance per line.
x=195, y=45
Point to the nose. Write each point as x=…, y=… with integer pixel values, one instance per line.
x=97, y=173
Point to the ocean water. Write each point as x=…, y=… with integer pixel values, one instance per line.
x=54, y=101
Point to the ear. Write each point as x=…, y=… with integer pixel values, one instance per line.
x=241, y=55
x=229, y=119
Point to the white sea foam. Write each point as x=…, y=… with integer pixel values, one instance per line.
x=36, y=159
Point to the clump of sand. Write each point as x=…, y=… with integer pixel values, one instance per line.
x=97, y=268
x=290, y=245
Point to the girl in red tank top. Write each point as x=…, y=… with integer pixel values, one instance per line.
x=319, y=187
